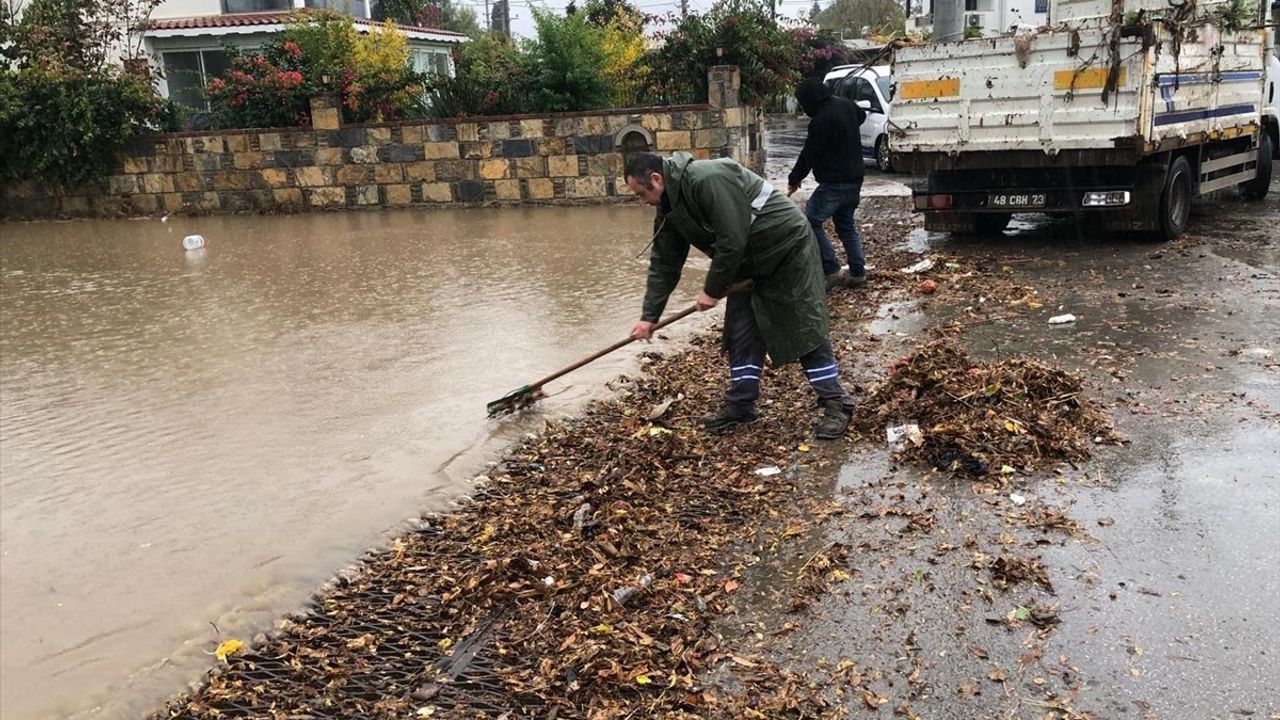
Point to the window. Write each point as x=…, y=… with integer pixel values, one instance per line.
x=188, y=71
x=1042, y=6
x=863, y=91
x=431, y=62
x=970, y=5
x=886, y=87
x=249, y=6
x=354, y=8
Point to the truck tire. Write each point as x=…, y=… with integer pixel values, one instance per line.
x=1257, y=188
x=1175, y=200
x=883, y=162
x=991, y=223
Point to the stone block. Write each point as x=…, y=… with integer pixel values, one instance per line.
x=518, y=148
x=144, y=203
x=566, y=127
x=470, y=191
x=210, y=144
x=269, y=141
x=364, y=154
x=499, y=130
x=75, y=205
x=398, y=195
x=620, y=187
x=122, y=184
x=654, y=122
x=441, y=150
x=437, y=192
x=287, y=197
x=604, y=165
x=674, y=140
x=327, y=197
x=203, y=162
x=249, y=160
x=593, y=144
x=190, y=182
x=204, y=202
x=446, y=132
x=541, y=189
x=734, y=117
x=167, y=164
x=401, y=153
x=326, y=118
x=136, y=165
x=237, y=143
x=367, y=195
x=245, y=200
x=346, y=138
x=592, y=125
x=275, y=177
x=530, y=167
x=328, y=156
x=530, y=128
x=378, y=136
x=494, y=169
x=455, y=170
x=507, y=189
x=295, y=157
x=353, y=175
x=713, y=138
x=702, y=153
x=549, y=146
x=477, y=150
x=412, y=135
x=585, y=187
x=387, y=174
x=301, y=139
x=562, y=165
x=311, y=176
x=419, y=171
x=156, y=183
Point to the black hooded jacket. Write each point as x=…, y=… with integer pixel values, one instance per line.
x=833, y=148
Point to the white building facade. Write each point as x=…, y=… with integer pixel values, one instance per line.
x=990, y=17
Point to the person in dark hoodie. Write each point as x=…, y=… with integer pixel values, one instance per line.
x=833, y=151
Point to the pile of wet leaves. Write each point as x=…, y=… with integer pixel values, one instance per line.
x=976, y=418
x=582, y=579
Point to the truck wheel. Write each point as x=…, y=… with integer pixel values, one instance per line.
x=1256, y=189
x=883, y=162
x=1175, y=200
x=991, y=224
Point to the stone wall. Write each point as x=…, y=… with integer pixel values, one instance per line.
x=559, y=158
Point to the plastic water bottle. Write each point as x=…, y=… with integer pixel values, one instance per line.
x=193, y=242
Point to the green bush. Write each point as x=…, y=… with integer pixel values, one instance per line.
x=492, y=78
x=64, y=127
x=568, y=61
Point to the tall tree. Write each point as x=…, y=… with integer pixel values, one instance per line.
x=815, y=11
x=864, y=17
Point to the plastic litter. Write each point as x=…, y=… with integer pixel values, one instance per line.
x=910, y=432
x=919, y=267
x=1017, y=499
x=580, y=516
x=768, y=471
x=1062, y=319
x=623, y=594
x=193, y=242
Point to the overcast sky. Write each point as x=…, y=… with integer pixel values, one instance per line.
x=522, y=18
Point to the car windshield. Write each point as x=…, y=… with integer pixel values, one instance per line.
x=886, y=87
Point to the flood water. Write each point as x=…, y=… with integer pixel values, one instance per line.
x=191, y=440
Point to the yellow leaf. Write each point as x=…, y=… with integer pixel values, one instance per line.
x=643, y=680
x=486, y=534
x=1014, y=427
x=839, y=575
x=804, y=448
x=1006, y=469
x=445, y=643
x=602, y=629
x=655, y=431
x=228, y=648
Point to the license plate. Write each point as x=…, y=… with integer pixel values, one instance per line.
x=1016, y=200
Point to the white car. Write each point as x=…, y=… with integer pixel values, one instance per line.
x=870, y=88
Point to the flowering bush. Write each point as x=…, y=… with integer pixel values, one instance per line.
x=319, y=53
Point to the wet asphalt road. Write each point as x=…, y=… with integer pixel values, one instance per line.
x=1172, y=609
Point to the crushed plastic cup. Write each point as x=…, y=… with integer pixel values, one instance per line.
x=919, y=267
x=193, y=242
x=768, y=471
x=1062, y=319
x=909, y=431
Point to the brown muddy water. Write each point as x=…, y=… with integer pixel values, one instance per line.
x=200, y=439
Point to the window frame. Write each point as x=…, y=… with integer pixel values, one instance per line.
x=203, y=69
x=227, y=7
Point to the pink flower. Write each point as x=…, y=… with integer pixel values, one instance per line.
x=292, y=49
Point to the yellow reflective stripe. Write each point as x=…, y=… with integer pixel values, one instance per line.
x=919, y=89
x=1088, y=79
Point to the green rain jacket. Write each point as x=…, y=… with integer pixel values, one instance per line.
x=750, y=231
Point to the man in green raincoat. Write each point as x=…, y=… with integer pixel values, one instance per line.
x=751, y=232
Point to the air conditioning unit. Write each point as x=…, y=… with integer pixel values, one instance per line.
x=975, y=20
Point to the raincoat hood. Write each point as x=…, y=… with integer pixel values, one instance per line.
x=811, y=94
x=673, y=174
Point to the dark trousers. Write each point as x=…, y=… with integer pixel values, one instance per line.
x=746, y=351
x=837, y=201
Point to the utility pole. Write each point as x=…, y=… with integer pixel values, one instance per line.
x=773, y=11
x=488, y=19
x=684, y=8
x=948, y=20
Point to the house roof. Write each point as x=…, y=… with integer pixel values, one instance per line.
x=239, y=23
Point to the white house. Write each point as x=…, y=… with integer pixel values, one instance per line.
x=990, y=17
x=184, y=38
